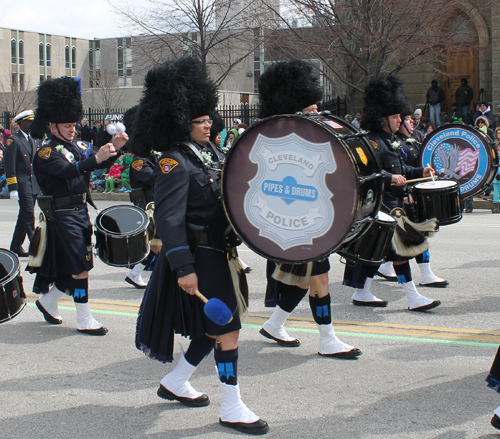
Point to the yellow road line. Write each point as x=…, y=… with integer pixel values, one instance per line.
x=307, y=324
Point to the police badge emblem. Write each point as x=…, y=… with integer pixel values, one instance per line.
x=462, y=154
x=291, y=190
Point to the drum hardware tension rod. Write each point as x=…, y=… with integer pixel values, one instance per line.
x=374, y=176
x=352, y=136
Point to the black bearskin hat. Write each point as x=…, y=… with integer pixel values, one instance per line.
x=59, y=101
x=383, y=97
x=174, y=93
x=129, y=119
x=287, y=87
x=217, y=125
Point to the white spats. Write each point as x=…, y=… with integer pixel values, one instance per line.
x=329, y=343
x=84, y=318
x=275, y=324
x=415, y=300
x=177, y=381
x=50, y=302
x=387, y=270
x=364, y=294
x=233, y=409
x=427, y=277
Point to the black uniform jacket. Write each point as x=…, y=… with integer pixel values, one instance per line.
x=185, y=192
x=410, y=149
x=388, y=148
x=19, y=157
x=141, y=172
x=59, y=177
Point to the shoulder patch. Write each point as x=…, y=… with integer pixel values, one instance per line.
x=137, y=164
x=44, y=153
x=167, y=165
x=8, y=142
x=82, y=145
x=374, y=144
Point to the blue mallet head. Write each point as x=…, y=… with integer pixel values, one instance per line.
x=217, y=311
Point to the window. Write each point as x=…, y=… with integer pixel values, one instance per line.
x=47, y=52
x=21, y=82
x=21, y=52
x=13, y=51
x=42, y=78
x=66, y=57
x=73, y=57
x=41, y=54
x=15, y=86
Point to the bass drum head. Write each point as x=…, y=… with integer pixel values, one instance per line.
x=462, y=154
x=290, y=188
x=12, y=296
x=122, y=221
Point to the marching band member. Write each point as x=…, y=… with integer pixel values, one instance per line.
x=63, y=169
x=285, y=88
x=384, y=102
x=196, y=245
x=410, y=150
x=141, y=181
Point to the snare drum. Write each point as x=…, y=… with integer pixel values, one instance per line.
x=462, y=154
x=372, y=246
x=12, y=297
x=439, y=199
x=295, y=187
x=121, y=235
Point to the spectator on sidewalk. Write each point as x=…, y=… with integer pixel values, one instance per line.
x=435, y=95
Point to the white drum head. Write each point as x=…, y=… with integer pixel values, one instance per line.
x=434, y=185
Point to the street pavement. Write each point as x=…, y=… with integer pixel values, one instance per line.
x=421, y=375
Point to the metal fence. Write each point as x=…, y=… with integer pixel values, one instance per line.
x=245, y=112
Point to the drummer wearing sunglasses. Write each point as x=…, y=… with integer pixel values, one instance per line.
x=385, y=101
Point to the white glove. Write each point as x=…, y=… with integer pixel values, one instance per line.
x=14, y=195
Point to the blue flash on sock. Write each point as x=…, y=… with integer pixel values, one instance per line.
x=79, y=293
x=401, y=279
x=426, y=256
x=225, y=369
x=322, y=311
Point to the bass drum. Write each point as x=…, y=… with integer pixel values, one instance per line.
x=121, y=236
x=295, y=187
x=463, y=154
x=12, y=296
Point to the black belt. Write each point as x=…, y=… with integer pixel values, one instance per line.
x=69, y=201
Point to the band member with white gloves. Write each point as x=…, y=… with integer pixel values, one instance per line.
x=63, y=168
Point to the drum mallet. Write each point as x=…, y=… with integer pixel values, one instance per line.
x=216, y=310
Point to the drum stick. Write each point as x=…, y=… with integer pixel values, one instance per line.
x=432, y=173
x=415, y=180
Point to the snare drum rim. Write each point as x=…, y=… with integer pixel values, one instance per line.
x=354, y=165
x=140, y=229
x=17, y=267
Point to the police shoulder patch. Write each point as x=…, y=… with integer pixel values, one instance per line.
x=167, y=165
x=44, y=153
x=8, y=142
x=374, y=144
x=137, y=164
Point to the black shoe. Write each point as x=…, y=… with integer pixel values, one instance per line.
x=247, y=270
x=353, y=353
x=440, y=284
x=431, y=305
x=257, y=427
x=48, y=318
x=201, y=401
x=375, y=303
x=495, y=421
x=99, y=331
x=20, y=252
x=389, y=278
x=131, y=282
x=287, y=343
